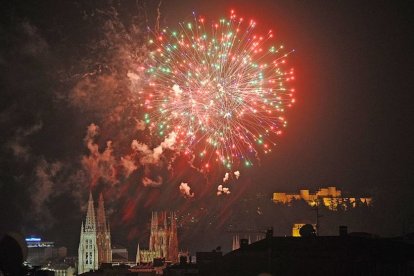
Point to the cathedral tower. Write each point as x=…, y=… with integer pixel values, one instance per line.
x=103, y=234
x=95, y=238
x=163, y=238
x=173, y=240
x=153, y=243
x=88, y=250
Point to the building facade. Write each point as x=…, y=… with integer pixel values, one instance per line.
x=95, y=239
x=163, y=241
x=42, y=252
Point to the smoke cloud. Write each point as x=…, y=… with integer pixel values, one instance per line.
x=222, y=190
x=128, y=164
x=148, y=156
x=140, y=125
x=18, y=143
x=45, y=175
x=148, y=182
x=226, y=177
x=99, y=165
x=185, y=190
x=237, y=174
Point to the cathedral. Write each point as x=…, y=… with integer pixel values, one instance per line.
x=95, y=238
x=163, y=242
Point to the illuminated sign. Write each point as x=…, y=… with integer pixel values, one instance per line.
x=33, y=239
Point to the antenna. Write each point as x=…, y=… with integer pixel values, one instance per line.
x=316, y=209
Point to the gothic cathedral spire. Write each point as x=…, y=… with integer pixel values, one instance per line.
x=88, y=250
x=173, y=240
x=90, y=223
x=103, y=235
x=95, y=238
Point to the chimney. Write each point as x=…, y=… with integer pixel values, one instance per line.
x=183, y=260
x=343, y=231
x=244, y=243
x=269, y=233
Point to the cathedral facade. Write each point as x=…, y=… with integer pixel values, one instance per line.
x=163, y=241
x=95, y=238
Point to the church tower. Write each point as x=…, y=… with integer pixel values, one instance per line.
x=159, y=234
x=138, y=256
x=173, y=240
x=103, y=234
x=88, y=250
x=95, y=238
x=163, y=238
x=153, y=242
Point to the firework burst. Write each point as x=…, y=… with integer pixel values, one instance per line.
x=220, y=87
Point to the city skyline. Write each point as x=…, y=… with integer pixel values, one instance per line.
x=71, y=122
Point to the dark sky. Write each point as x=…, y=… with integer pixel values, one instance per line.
x=59, y=61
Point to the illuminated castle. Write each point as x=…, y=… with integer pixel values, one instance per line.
x=330, y=197
x=95, y=238
x=163, y=242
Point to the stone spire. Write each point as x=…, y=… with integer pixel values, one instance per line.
x=154, y=220
x=173, y=240
x=90, y=223
x=154, y=232
x=103, y=235
x=101, y=218
x=137, y=258
x=88, y=250
x=165, y=219
x=163, y=236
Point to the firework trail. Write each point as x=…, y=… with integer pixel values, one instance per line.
x=220, y=87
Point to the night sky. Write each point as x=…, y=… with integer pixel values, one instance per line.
x=64, y=66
